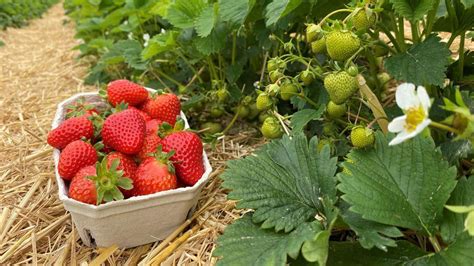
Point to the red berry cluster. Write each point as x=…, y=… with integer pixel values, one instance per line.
x=144, y=147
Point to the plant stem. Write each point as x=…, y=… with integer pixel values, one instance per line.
x=234, y=46
x=332, y=13
x=430, y=19
x=461, y=55
x=435, y=243
x=390, y=36
x=451, y=39
x=444, y=127
x=304, y=97
x=401, y=33
x=348, y=61
x=166, y=76
x=229, y=126
x=414, y=32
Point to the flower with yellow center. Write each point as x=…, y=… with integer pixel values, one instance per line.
x=415, y=104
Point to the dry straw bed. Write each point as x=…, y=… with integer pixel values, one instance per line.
x=38, y=70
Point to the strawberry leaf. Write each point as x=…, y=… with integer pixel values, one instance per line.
x=278, y=9
x=405, y=185
x=412, y=10
x=287, y=182
x=246, y=243
x=235, y=11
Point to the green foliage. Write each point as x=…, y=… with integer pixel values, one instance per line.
x=413, y=10
x=16, y=13
x=303, y=117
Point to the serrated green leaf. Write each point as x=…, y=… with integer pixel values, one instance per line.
x=453, y=223
x=205, y=22
x=405, y=185
x=460, y=252
x=370, y=233
x=160, y=8
x=453, y=151
x=182, y=13
x=160, y=43
x=245, y=243
x=286, y=183
x=278, y=9
x=347, y=253
x=301, y=118
x=235, y=11
x=212, y=43
x=423, y=63
x=413, y=10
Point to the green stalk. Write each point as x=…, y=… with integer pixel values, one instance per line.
x=415, y=35
x=212, y=69
x=444, y=127
x=234, y=46
x=435, y=243
x=332, y=13
x=348, y=61
x=401, y=33
x=452, y=15
x=180, y=55
x=461, y=55
x=229, y=126
x=430, y=19
x=390, y=36
x=166, y=76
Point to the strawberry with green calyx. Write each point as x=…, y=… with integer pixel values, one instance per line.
x=352, y=70
x=313, y=31
x=126, y=164
x=211, y=127
x=363, y=19
x=307, y=77
x=163, y=106
x=271, y=128
x=70, y=130
x=74, y=156
x=288, y=90
x=272, y=90
x=341, y=44
x=263, y=115
x=275, y=64
x=124, y=131
x=336, y=110
x=216, y=111
x=150, y=144
x=123, y=90
x=155, y=174
x=152, y=126
x=362, y=137
x=222, y=94
x=319, y=46
x=188, y=159
x=275, y=76
x=264, y=101
x=80, y=108
x=340, y=86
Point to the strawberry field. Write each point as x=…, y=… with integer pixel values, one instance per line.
x=219, y=132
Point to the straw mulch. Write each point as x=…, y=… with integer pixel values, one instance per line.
x=37, y=70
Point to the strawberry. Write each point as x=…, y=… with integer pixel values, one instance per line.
x=264, y=101
x=123, y=90
x=149, y=146
x=155, y=174
x=362, y=137
x=152, y=126
x=363, y=19
x=288, y=90
x=341, y=45
x=74, y=156
x=70, y=130
x=340, y=86
x=124, y=131
x=319, y=46
x=144, y=115
x=95, y=184
x=165, y=107
x=80, y=108
x=336, y=110
x=126, y=164
x=187, y=159
x=271, y=128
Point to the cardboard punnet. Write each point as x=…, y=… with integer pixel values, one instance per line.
x=134, y=221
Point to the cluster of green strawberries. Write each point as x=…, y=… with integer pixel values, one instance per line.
x=135, y=146
x=340, y=42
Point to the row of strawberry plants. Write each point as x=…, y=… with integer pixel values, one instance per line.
x=16, y=13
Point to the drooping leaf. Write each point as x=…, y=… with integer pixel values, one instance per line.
x=182, y=13
x=370, y=233
x=413, y=10
x=160, y=43
x=347, y=253
x=278, y=9
x=160, y=8
x=245, y=243
x=453, y=223
x=423, y=63
x=406, y=185
x=287, y=182
x=205, y=22
x=460, y=252
x=301, y=118
x=212, y=43
x=235, y=11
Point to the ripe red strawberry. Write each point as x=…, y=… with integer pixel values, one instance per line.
x=154, y=174
x=76, y=155
x=165, y=107
x=144, y=115
x=152, y=126
x=126, y=164
x=149, y=146
x=95, y=184
x=187, y=159
x=123, y=90
x=70, y=130
x=80, y=108
x=124, y=131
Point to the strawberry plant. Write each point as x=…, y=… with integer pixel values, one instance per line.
x=16, y=13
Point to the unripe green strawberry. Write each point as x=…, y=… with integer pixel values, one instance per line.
x=361, y=21
x=275, y=75
x=319, y=46
x=243, y=111
x=324, y=142
x=211, y=127
x=353, y=71
x=329, y=129
x=307, y=77
x=271, y=128
x=379, y=50
x=222, y=95
x=262, y=116
x=216, y=111
x=272, y=89
x=264, y=102
x=340, y=86
x=312, y=32
x=383, y=78
x=362, y=137
x=287, y=91
x=341, y=45
x=275, y=64
x=336, y=110
x=253, y=111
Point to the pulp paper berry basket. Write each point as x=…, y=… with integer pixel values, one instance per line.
x=134, y=221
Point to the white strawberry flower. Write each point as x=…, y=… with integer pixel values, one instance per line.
x=146, y=37
x=130, y=35
x=415, y=105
